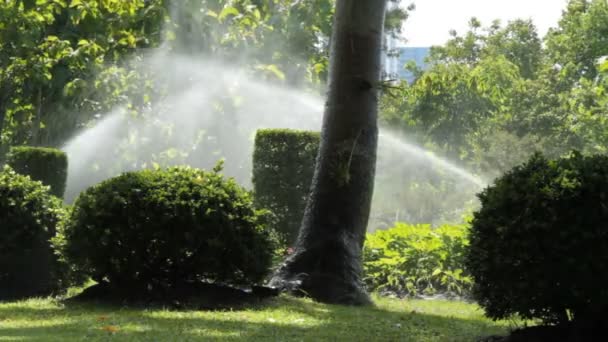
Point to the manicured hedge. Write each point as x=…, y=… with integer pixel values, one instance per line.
x=48, y=165
x=29, y=219
x=283, y=166
x=539, y=243
x=155, y=230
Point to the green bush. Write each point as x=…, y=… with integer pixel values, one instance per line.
x=417, y=260
x=29, y=217
x=48, y=165
x=283, y=166
x=158, y=229
x=539, y=242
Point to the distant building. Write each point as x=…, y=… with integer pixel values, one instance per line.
x=395, y=59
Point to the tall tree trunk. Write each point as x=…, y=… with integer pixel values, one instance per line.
x=326, y=264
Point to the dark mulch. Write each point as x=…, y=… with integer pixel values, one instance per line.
x=195, y=296
x=571, y=332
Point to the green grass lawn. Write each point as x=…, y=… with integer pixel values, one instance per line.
x=280, y=319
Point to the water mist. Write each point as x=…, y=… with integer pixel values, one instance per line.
x=210, y=110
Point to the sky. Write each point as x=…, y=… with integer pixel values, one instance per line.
x=431, y=21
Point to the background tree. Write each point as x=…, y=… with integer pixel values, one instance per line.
x=326, y=264
x=495, y=94
x=59, y=63
x=63, y=64
x=519, y=43
x=580, y=39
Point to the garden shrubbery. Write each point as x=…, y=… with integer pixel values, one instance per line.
x=539, y=242
x=29, y=217
x=47, y=165
x=283, y=166
x=411, y=260
x=154, y=230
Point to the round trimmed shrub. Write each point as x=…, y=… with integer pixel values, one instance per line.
x=157, y=229
x=538, y=245
x=47, y=165
x=29, y=218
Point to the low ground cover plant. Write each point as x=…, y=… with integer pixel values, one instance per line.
x=412, y=260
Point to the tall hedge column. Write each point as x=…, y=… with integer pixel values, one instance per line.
x=283, y=165
x=47, y=165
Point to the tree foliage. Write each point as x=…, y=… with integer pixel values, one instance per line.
x=497, y=90
x=64, y=63
x=580, y=39
x=55, y=59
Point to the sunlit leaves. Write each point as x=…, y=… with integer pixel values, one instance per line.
x=603, y=65
x=580, y=37
x=271, y=70
x=493, y=92
x=228, y=11
x=417, y=259
x=42, y=54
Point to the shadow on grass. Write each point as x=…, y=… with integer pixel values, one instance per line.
x=281, y=319
x=188, y=296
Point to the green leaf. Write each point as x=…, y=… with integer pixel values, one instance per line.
x=604, y=66
x=228, y=11
x=272, y=69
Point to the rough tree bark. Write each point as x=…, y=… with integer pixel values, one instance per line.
x=326, y=264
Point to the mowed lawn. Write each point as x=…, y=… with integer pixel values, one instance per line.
x=280, y=319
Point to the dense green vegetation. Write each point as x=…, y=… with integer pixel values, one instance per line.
x=47, y=165
x=283, y=165
x=494, y=95
x=59, y=59
x=412, y=260
x=489, y=99
x=284, y=319
x=538, y=243
x=155, y=230
x=489, y=94
x=29, y=217
x=63, y=62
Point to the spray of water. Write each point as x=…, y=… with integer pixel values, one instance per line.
x=188, y=128
x=189, y=125
x=210, y=110
x=391, y=141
